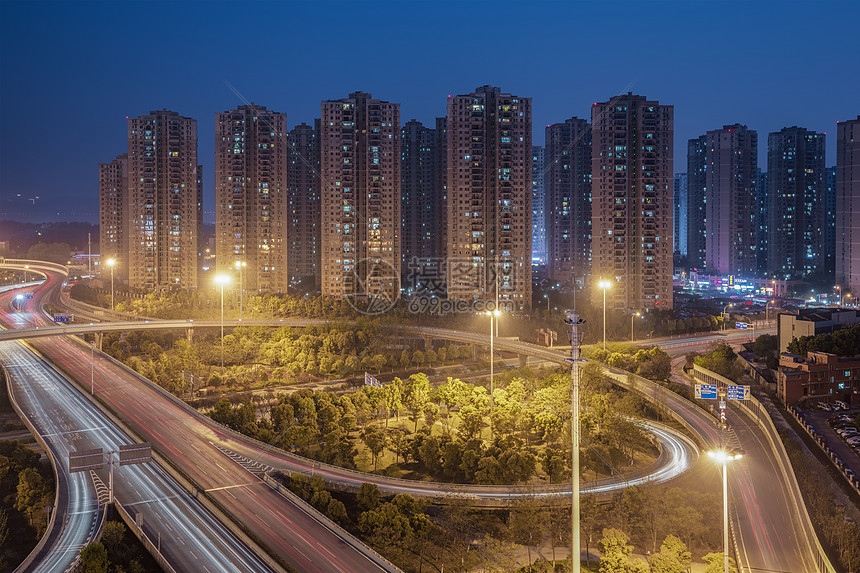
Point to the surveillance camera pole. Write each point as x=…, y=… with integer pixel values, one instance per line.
x=574, y=322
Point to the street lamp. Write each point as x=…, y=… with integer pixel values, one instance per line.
x=724, y=457
x=724, y=312
x=631, y=324
x=111, y=263
x=604, y=285
x=222, y=280
x=240, y=266
x=767, y=311
x=492, y=314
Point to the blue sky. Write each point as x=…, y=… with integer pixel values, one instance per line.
x=72, y=71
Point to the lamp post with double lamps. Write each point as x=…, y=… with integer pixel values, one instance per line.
x=722, y=314
x=724, y=457
x=632, y=316
x=222, y=280
x=493, y=314
x=604, y=285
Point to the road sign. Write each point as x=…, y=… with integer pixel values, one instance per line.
x=706, y=391
x=738, y=392
x=135, y=454
x=28, y=295
x=85, y=460
x=61, y=317
x=742, y=325
x=722, y=404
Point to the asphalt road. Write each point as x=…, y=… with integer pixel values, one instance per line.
x=191, y=539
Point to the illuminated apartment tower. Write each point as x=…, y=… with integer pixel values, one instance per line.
x=680, y=214
x=360, y=187
x=848, y=206
x=568, y=200
x=632, y=202
x=419, y=208
x=303, y=206
x=796, y=203
x=165, y=207
x=538, y=206
x=113, y=216
x=250, y=184
x=731, y=179
x=489, y=198
x=697, y=181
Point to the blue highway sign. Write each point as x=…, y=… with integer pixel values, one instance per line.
x=706, y=391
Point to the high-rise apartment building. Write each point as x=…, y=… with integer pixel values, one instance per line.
x=303, y=207
x=360, y=189
x=113, y=216
x=568, y=200
x=761, y=222
x=539, y=219
x=848, y=206
x=442, y=206
x=730, y=186
x=489, y=198
x=795, y=170
x=419, y=207
x=165, y=202
x=830, y=223
x=679, y=202
x=251, y=186
x=632, y=202
x=696, y=196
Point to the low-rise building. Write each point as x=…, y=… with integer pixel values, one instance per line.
x=813, y=321
x=818, y=377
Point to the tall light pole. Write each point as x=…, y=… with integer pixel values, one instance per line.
x=724, y=457
x=222, y=280
x=839, y=288
x=111, y=263
x=632, y=316
x=492, y=314
x=240, y=266
x=92, y=367
x=724, y=312
x=574, y=322
x=767, y=311
x=604, y=285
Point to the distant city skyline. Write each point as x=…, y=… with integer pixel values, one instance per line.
x=68, y=71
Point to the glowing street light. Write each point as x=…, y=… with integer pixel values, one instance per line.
x=724, y=313
x=604, y=285
x=724, y=457
x=767, y=311
x=631, y=324
x=111, y=263
x=222, y=280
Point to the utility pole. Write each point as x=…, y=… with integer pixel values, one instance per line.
x=574, y=322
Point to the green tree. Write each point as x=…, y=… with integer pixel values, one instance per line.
x=716, y=563
x=416, y=393
x=374, y=439
x=615, y=551
x=31, y=488
x=367, y=497
x=527, y=523
x=672, y=558
x=94, y=559
x=112, y=535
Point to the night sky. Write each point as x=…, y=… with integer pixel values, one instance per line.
x=72, y=71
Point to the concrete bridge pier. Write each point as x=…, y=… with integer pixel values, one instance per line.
x=189, y=334
x=524, y=360
x=99, y=339
x=428, y=343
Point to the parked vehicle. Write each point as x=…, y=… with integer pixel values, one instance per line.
x=840, y=404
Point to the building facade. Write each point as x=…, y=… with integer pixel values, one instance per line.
x=847, y=197
x=632, y=202
x=761, y=222
x=360, y=190
x=419, y=207
x=568, y=200
x=830, y=223
x=679, y=201
x=795, y=169
x=539, y=219
x=731, y=155
x=489, y=198
x=697, y=182
x=113, y=216
x=165, y=201
x=303, y=207
x=818, y=377
x=251, y=186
